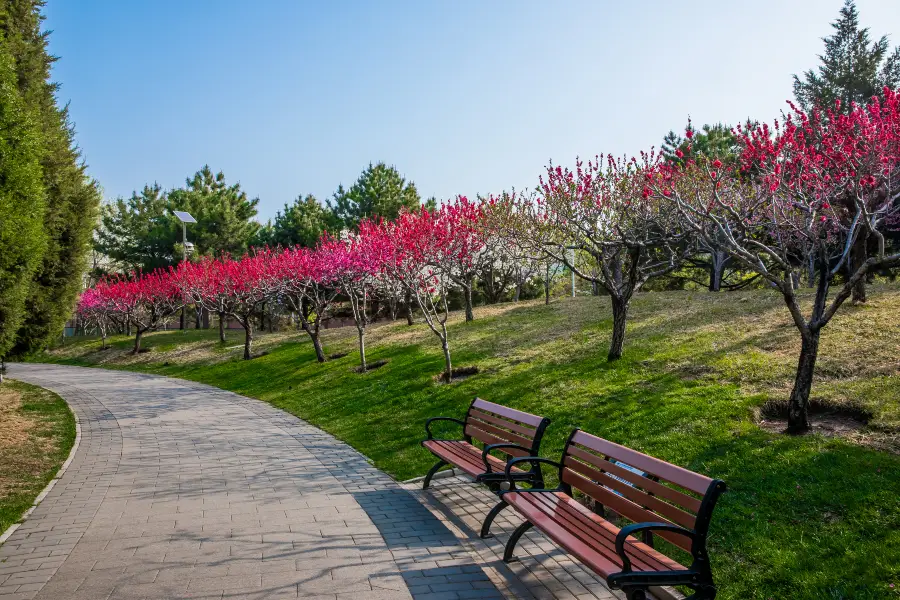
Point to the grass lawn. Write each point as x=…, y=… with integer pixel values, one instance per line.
x=37, y=431
x=813, y=517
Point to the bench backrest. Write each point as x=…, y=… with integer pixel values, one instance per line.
x=491, y=423
x=664, y=493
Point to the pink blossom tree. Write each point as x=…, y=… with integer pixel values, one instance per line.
x=805, y=191
x=205, y=284
x=307, y=282
x=146, y=301
x=96, y=310
x=418, y=251
x=599, y=210
x=248, y=283
x=356, y=268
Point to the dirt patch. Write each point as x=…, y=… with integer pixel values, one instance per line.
x=337, y=355
x=460, y=374
x=14, y=428
x=826, y=418
x=372, y=366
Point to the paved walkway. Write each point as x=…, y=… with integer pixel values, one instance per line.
x=180, y=490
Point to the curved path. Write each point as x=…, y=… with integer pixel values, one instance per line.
x=181, y=490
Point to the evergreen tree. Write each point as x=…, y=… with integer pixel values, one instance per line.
x=22, y=202
x=711, y=141
x=72, y=198
x=302, y=223
x=853, y=67
x=380, y=191
x=139, y=233
x=853, y=70
x=225, y=214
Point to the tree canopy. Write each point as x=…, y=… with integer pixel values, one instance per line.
x=380, y=191
x=853, y=69
x=71, y=196
x=301, y=223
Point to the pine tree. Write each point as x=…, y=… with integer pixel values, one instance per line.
x=853, y=67
x=380, y=191
x=139, y=233
x=853, y=70
x=22, y=202
x=225, y=214
x=302, y=223
x=72, y=198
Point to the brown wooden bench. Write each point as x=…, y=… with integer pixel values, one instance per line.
x=662, y=499
x=510, y=432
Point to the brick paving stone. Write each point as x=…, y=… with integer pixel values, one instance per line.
x=181, y=490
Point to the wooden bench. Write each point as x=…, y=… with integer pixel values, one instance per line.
x=668, y=501
x=510, y=432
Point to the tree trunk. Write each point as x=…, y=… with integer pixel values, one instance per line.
x=409, y=308
x=222, y=327
x=262, y=317
x=313, y=332
x=448, y=367
x=620, y=317
x=183, y=324
x=204, y=318
x=718, y=259
x=518, y=290
x=858, y=255
x=102, y=340
x=798, y=417
x=248, y=337
x=196, y=317
x=137, y=341
x=362, y=349
x=470, y=316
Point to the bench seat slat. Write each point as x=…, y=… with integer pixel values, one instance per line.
x=465, y=456
x=590, y=538
x=487, y=438
x=624, y=506
x=599, y=532
x=509, y=413
x=523, y=430
x=687, y=479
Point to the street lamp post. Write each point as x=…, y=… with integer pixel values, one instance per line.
x=185, y=218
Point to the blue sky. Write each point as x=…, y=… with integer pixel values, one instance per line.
x=464, y=97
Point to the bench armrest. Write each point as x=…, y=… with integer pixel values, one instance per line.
x=433, y=419
x=635, y=527
x=534, y=460
x=489, y=447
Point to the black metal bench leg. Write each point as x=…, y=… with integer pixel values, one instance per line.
x=514, y=539
x=431, y=473
x=635, y=593
x=486, y=526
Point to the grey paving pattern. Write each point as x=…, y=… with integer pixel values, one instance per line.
x=180, y=490
x=542, y=571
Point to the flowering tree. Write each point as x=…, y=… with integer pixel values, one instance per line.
x=146, y=301
x=96, y=310
x=805, y=192
x=306, y=281
x=606, y=212
x=465, y=254
x=248, y=284
x=205, y=284
x=356, y=269
x=414, y=251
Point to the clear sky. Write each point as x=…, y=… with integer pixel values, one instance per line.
x=463, y=96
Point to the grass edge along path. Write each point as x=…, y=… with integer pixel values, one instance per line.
x=37, y=432
x=807, y=517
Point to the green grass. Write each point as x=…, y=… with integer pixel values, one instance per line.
x=37, y=431
x=810, y=517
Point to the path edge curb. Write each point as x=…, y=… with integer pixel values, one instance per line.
x=40, y=497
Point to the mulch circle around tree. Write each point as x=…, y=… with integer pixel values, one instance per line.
x=372, y=366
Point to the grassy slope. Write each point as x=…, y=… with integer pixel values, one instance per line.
x=809, y=517
x=37, y=431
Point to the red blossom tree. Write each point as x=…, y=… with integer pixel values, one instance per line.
x=96, y=310
x=354, y=263
x=601, y=210
x=306, y=280
x=146, y=301
x=804, y=193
